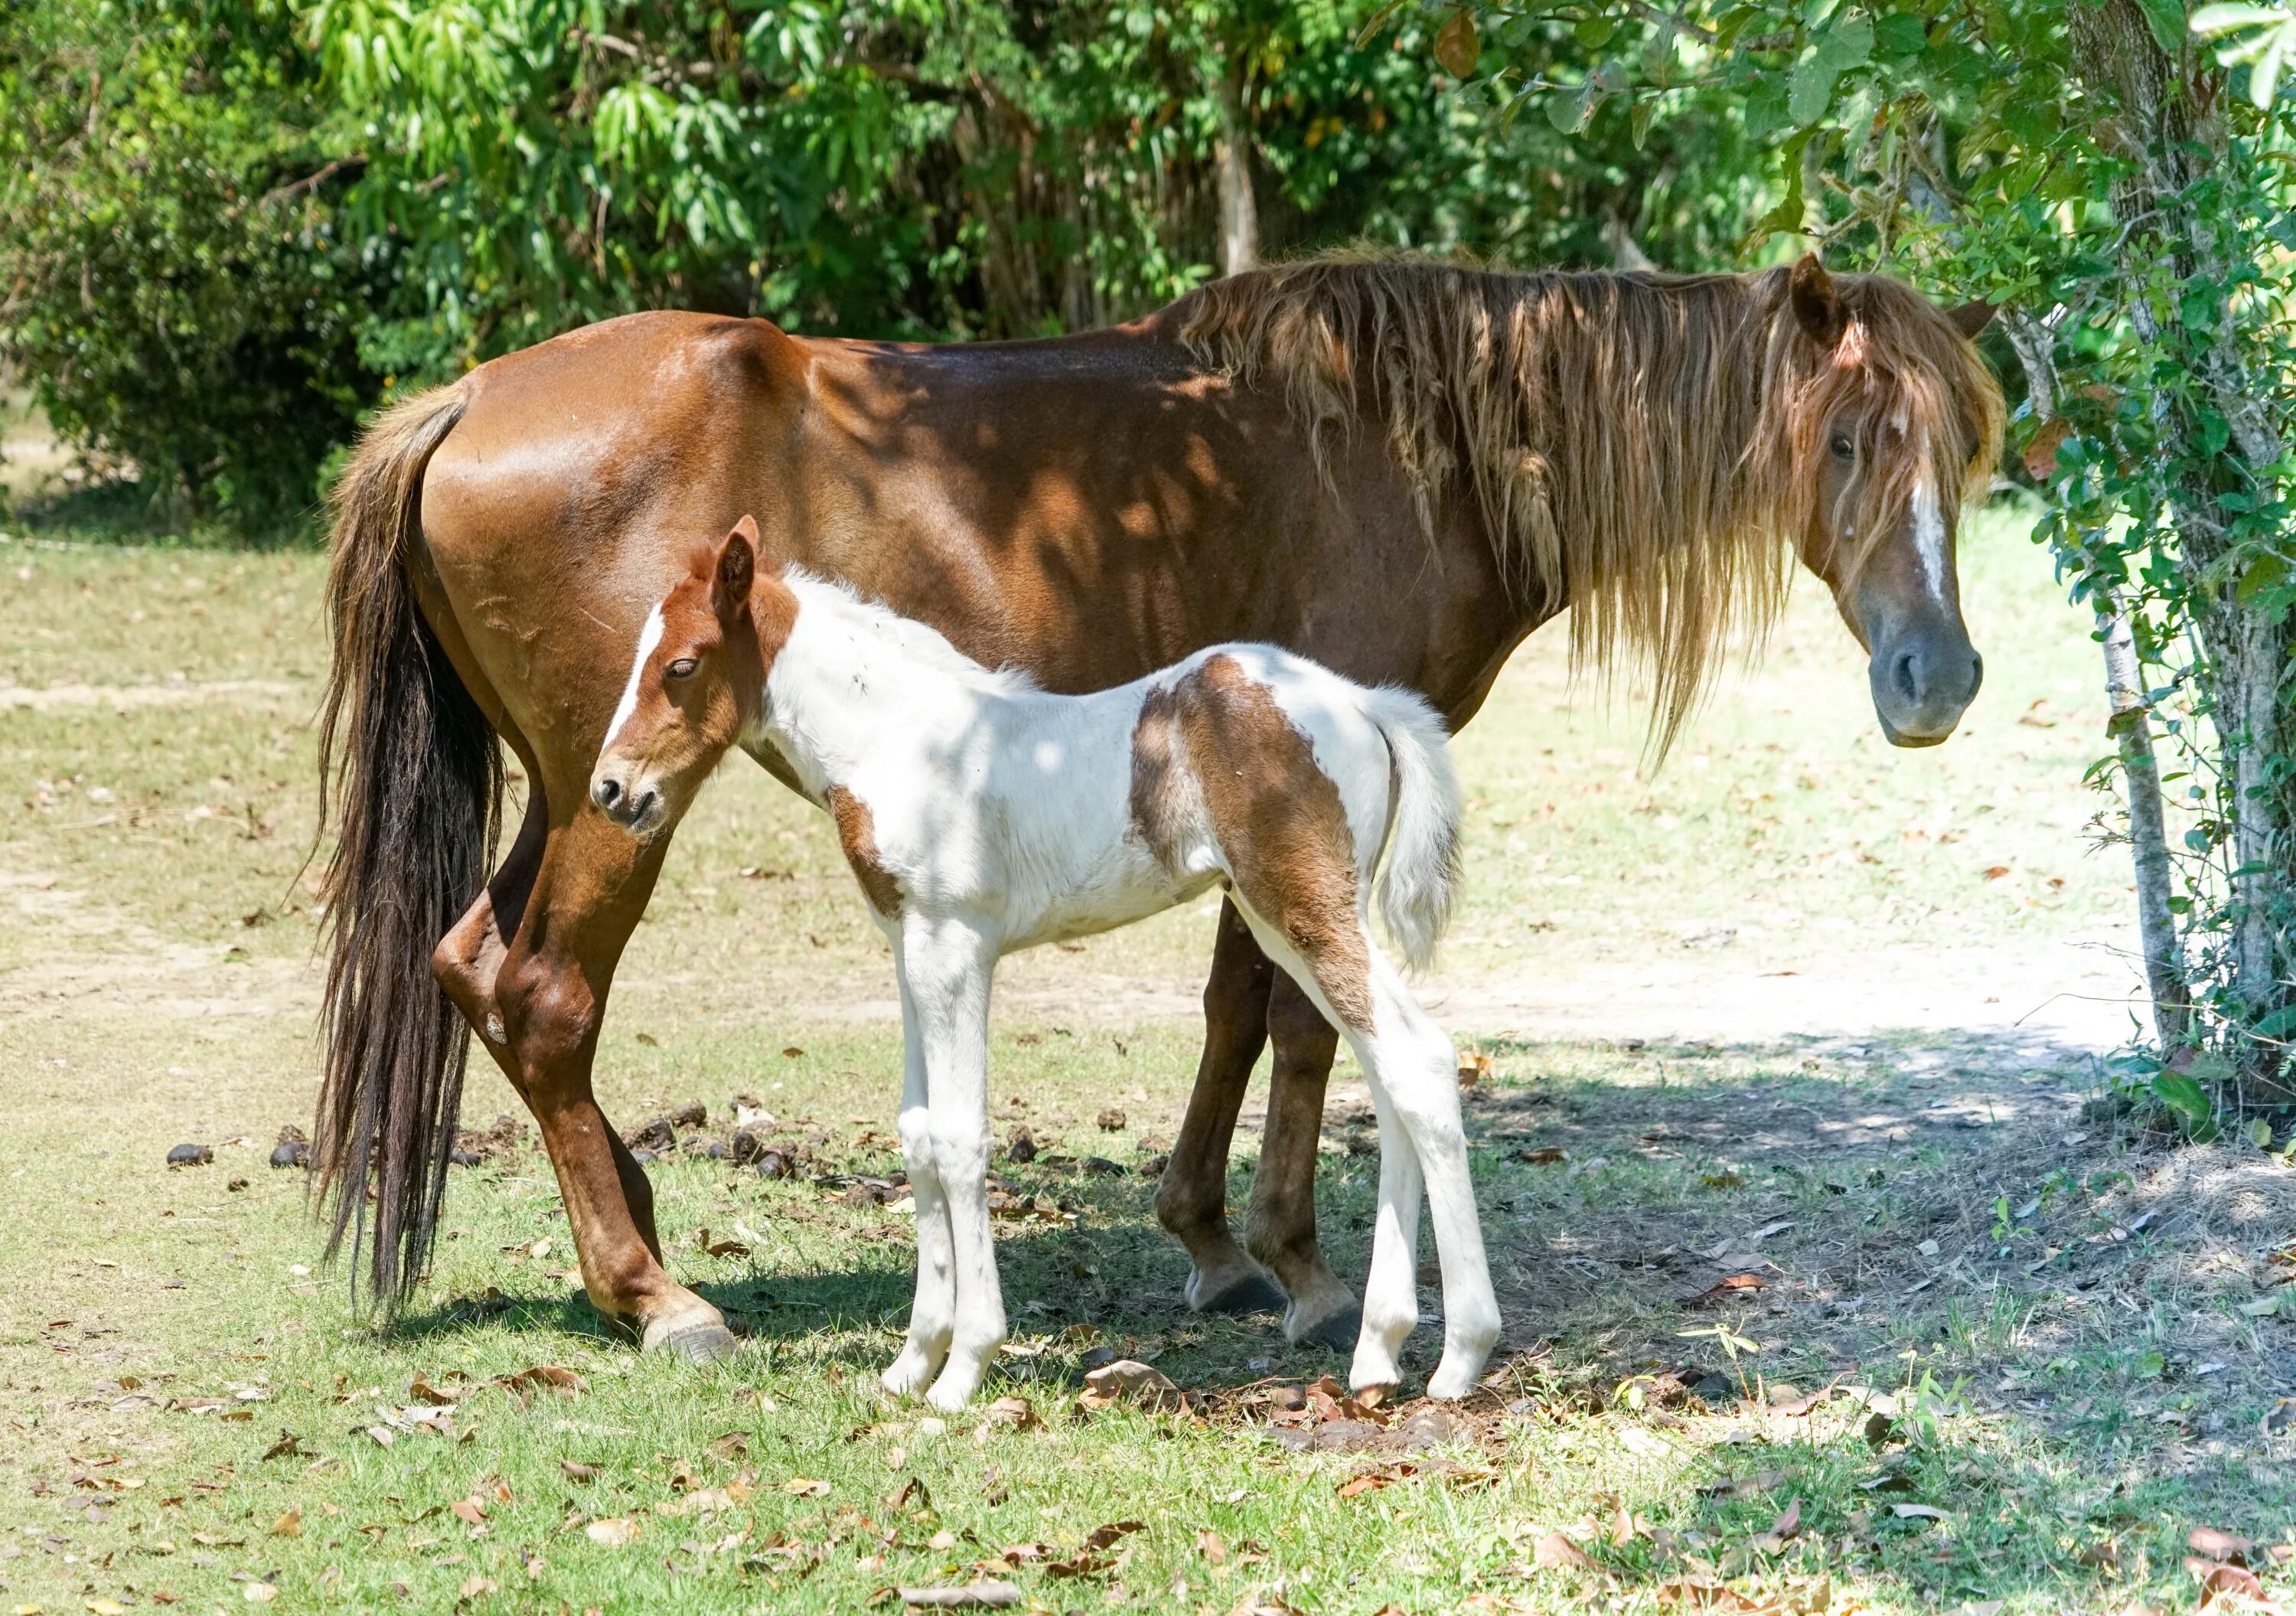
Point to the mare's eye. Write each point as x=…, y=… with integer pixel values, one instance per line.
x=683, y=668
x=1842, y=447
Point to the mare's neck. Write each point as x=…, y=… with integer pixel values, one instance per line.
x=853, y=679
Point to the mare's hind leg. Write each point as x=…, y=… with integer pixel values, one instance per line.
x=1280, y=1229
x=1248, y=1003
x=932, y=1316
x=549, y=994
x=1191, y=1196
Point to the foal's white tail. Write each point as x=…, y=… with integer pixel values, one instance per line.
x=1421, y=864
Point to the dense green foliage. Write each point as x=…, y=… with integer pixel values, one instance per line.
x=176, y=291
x=231, y=224
x=2089, y=169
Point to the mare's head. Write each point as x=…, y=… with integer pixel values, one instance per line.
x=696, y=684
x=1879, y=422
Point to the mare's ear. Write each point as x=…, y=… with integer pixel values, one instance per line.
x=1815, y=303
x=736, y=571
x=1970, y=318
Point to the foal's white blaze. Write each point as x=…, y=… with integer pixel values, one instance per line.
x=649, y=638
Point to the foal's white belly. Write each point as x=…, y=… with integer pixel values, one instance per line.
x=1127, y=885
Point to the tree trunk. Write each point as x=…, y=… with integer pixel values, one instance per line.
x=2131, y=727
x=2169, y=124
x=1239, y=215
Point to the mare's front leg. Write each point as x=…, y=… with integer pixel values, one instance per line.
x=947, y=965
x=1192, y=1196
x=932, y=1315
x=548, y=1001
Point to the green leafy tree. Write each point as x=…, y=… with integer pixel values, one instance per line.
x=176, y=290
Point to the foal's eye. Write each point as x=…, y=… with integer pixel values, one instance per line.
x=683, y=668
x=1842, y=447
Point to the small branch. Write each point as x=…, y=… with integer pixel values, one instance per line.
x=1666, y=19
x=312, y=181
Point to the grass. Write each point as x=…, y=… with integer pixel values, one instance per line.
x=2069, y=1384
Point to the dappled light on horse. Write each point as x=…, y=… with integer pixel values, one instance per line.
x=1399, y=469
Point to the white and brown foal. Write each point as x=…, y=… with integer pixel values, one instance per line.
x=983, y=815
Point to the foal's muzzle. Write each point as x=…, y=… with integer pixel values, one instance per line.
x=633, y=808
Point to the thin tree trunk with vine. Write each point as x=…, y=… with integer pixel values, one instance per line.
x=2168, y=123
x=2131, y=727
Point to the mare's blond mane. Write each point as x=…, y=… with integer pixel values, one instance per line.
x=1647, y=445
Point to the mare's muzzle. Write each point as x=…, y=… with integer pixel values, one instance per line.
x=1923, y=678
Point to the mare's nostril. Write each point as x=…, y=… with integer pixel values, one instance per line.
x=606, y=792
x=1976, y=675
x=1906, y=676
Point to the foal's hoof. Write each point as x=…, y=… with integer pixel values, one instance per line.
x=1249, y=1293
x=1339, y=1332
x=701, y=1342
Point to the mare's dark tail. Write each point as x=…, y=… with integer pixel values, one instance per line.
x=409, y=768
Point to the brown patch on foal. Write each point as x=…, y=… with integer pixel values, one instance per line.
x=1278, y=816
x=856, y=833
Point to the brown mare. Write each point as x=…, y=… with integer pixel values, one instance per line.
x=1397, y=468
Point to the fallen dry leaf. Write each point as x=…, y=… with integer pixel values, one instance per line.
x=289, y=1525
x=1721, y=1289
x=1558, y=1553
x=2214, y=1545
x=1016, y=1412
x=1787, y=1526
x=468, y=1511
x=1744, y=1485
x=2220, y=1578
x=615, y=1531
x=805, y=1486
x=989, y=1591
x=731, y=1445
x=1543, y=1155
x=1918, y=1512
x=576, y=1470
x=1127, y=1380
x=1702, y=1595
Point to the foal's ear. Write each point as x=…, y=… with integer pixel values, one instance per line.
x=1970, y=318
x=736, y=570
x=1817, y=305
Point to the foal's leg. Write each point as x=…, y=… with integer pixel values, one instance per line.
x=1413, y=1070
x=1191, y=1196
x=550, y=994
x=947, y=965
x=932, y=1315
x=1280, y=1229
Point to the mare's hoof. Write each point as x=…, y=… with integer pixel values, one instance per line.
x=1253, y=1294
x=1339, y=1332
x=696, y=1343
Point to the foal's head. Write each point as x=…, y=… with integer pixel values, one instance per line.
x=1881, y=422
x=697, y=684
